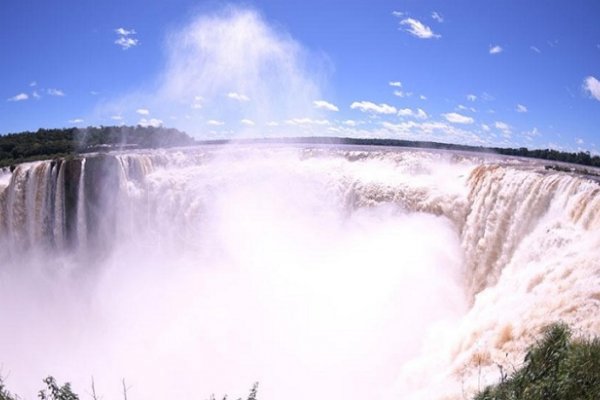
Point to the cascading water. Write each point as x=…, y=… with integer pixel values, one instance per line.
x=320, y=271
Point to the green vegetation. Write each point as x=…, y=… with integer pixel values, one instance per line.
x=54, y=391
x=52, y=143
x=556, y=368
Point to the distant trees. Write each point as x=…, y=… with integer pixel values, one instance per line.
x=51, y=143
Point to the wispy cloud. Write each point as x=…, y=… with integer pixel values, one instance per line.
x=76, y=121
x=247, y=122
x=395, y=83
x=533, y=48
x=124, y=40
x=55, y=92
x=32, y=83
x=471, y=97
x=143, y=111
x=437, y=16
x=400, y=93
x=324, y=105
x=238, y=96
x=521, y=108
x=457, y=118
x=369, y=107
x=418, y=114
x=215, y=122
x=36, y=95
x=152, y=122
x=397, y=13
x=125, y=32
x=116, y=118
x=19, y=97
x=496, y=49
x=307, y=121
x=591, y=86
x=127, y=42
x=418, y=29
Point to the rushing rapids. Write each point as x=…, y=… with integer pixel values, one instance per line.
x=517, y=250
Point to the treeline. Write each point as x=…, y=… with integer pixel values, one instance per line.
x=50, y=143
x=581, y=158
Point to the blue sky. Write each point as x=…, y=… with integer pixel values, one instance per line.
x=506, y=73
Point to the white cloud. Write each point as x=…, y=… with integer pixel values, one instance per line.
x=521, y=108
x=32, y=83
x=503, y=126
x=307, y=121
x=423, y=97
x=76, y=121
x=435, y=15
x=485, y=127
x=591, y=85
x=143, y=111
x=36, y=95
x=400, y=93
x=116, y=118
x=214, y=122
x=395, y=83
x=350, y=122
x=579, y=141
x=429, y=130
x=238, y=96
x=247, y=122
x=152, y=122
x=407, y=112
x=19, y=97
x=418, y=29
x=369, y=107
x=397, y=13
x=465, y=108
x=55, y=92
x=533, y=48
x=126, y=42
x=324, y=105
x=471, y=97
x=125, y=32
x=496, y=49
x=94, y=93
x=457, y=118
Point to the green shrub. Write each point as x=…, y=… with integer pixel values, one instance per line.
x=556, y=368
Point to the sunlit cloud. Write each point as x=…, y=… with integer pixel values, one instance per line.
x=324, y=105
x=521, y=108
x=124, y=40
x=55, y=92
x=591, y=86
x=152, y=122
x=238, y=96
x=496, y=49
x=407, y=112
x=457, y=118
x=19, y=97
x=418, y=29
x=437, y=16
x=369, y=107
